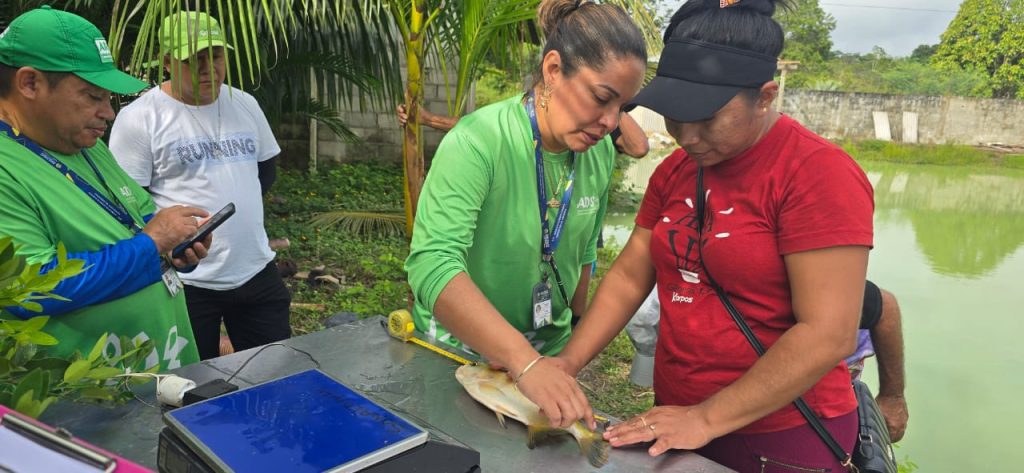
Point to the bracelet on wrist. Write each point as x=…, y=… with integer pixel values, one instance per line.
x=515, y=382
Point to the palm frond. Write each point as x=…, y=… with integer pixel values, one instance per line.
x=267, y=33
x=369, y=224
x=467, y=32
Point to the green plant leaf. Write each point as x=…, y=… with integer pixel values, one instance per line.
x=35, y=324
x=25, y=403
x=97, y=349
x=103, y=373
x=55, y=367
x=32, y=306
x=42, y=338
x=48, y=364
x=77, y=371
x=24, y=352
x=97, y=393
x=33, y=381
x=5, y=367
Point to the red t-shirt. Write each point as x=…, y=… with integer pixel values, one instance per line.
x=792, y=191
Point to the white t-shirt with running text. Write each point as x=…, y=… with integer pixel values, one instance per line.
x=203, y=156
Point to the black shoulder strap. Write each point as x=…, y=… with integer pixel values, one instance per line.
x=801, y=406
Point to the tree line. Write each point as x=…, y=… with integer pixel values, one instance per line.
x=979, y=55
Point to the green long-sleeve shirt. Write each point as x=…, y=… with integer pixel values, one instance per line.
x=478, y=214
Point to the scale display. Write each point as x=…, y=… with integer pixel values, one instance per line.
x=306, y=422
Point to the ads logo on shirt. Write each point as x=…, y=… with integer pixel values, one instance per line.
x=587, y=204
x=127, y=194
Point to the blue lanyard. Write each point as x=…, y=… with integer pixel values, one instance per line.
x=549, y=237
x=117, y=210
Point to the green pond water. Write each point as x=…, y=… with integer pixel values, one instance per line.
x=948, y=243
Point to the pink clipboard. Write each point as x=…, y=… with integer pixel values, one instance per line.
x=30, y=443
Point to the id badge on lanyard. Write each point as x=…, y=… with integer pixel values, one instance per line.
x=541, y=305
x=171, y=281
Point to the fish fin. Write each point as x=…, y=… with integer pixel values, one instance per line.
x=537, y=432
x=594, y=447
x=501, y=420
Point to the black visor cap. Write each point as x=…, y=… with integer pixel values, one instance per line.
x=695, y=79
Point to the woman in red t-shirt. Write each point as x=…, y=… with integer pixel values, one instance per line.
x=786, y=230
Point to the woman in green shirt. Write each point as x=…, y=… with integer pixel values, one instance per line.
x=507, y=223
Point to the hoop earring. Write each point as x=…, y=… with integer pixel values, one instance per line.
x=545, y=95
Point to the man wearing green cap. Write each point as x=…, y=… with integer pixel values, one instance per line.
x=60, y=184
x=196, y=141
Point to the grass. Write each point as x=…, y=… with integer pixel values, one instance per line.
x=941, y=155
x=606, y=379
x=368, y=268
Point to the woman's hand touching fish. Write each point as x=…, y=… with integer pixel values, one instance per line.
x=548, y=384
x=669, y=427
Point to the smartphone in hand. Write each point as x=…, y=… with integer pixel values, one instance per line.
x=205, y=229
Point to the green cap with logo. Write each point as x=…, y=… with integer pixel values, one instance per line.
x=184, y=34
x=57, y=41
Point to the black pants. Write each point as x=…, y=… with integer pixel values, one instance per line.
x=254, y=313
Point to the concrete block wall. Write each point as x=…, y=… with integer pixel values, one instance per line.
x=379, y=129
x=959, y=120
x=841, y=115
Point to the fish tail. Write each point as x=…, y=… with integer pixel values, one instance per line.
x=593, y=446
x=537, y=432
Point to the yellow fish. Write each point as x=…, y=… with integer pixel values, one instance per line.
x=494, y=390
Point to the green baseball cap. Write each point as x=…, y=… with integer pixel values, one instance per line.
x=57, y=41
x=185, y=33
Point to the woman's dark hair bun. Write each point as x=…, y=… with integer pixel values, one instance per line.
x=552, y=12
x=744, y=24
x=764, y=7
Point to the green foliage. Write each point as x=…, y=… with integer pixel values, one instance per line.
x=370, y=269
x=355, y=186
x=496, y=85
x=878, y=73
x=22, y=285
x=362, y=223
x=1015, y=161
x=942, y=155
x=606, y=378
x=622, y=198
x=469, y=32
x=987, y=36
x=30, y=380
x=808, y=31
x=924, y=53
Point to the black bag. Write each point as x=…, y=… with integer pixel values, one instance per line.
x=872, y=453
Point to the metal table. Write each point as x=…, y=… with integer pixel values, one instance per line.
x=419, y=383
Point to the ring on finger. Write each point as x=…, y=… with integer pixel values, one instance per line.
x=651, y=426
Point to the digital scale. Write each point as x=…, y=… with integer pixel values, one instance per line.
x=306, y=422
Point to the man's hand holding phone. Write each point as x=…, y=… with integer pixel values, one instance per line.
x=173, y=226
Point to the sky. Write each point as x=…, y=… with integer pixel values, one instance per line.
x=898, y=27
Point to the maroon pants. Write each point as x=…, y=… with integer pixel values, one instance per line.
x=793, y=450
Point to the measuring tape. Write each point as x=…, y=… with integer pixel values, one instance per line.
x=401, y=327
